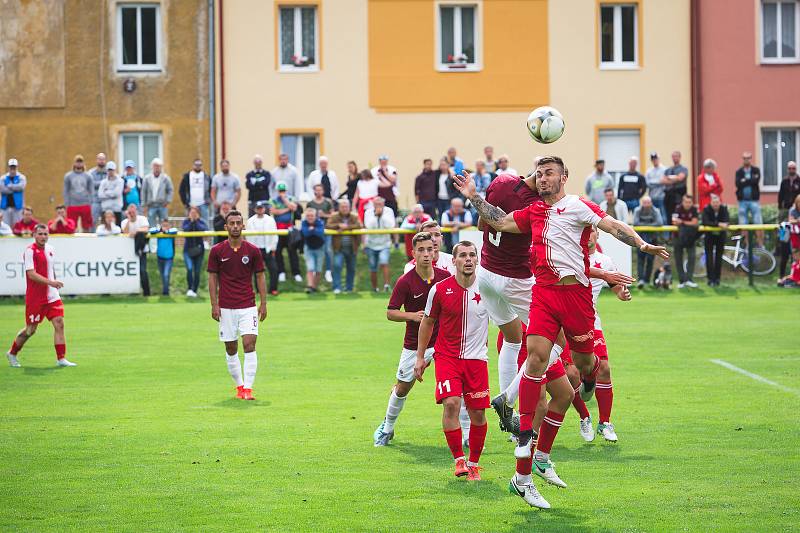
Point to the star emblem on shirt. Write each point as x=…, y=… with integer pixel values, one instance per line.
x=477, y=298
x=597, y=264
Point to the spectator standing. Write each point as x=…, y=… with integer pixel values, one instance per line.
x=131, y=193
x=157, y=192
x=789, y=234
x=345, y=247
x=748, y=194
x=789, y=189
x=613, y=206
x=324, y=208
x=444, y=192
x=504, y=168
x=708, y=183
x=61, y=224
x=25, y=226
x=98, y=174
x=225, y=186
x=282, y=209
x=414, y=221
x=426, y=188
x=136, y=227
x=110, y=192
x=455, y=218
x=195, y=190
x=322, y=175
x=646, y=215
x=165, y=252
x=193, y=250
x=632, y=186
x=313, y=230
x=219, y=221
x=687, y=219
x=267, y=244
x=287, y=174
x=12, y=192
x=366, y=191
x=5, y=229
x=352, y=182
x=456, y=163
x=715, y=215
x=598, y=182
x=78, y=194
x=675, y=186
x=483, y=178
x=108, y=225
x=378, y=246
x=488, y=159
x=259, y=184
x=386, y=175
x=656, y=182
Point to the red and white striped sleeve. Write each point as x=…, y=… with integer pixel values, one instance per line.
x=434, y=306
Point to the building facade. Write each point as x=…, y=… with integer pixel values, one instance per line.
x=353, y=79
x=80, y=77
x=748, y=80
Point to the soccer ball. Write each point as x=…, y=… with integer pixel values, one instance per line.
x=545, y=124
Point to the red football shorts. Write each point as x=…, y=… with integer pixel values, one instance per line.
x=82, y=212
x=34, y=314
x=600, y=348
x=563, y=306
x=554, y=371
x=462, y=377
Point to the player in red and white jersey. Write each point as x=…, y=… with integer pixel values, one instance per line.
x=232, y=264
x=460, y=356
x=410, y=293
x=441, y=259
x=41, y=298
x=559, y=225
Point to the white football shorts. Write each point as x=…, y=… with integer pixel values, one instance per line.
x=408, y=358
x=505, y=298
x=236, y=322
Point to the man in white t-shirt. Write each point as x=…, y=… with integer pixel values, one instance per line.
x=136, y=227
x=195, y=190
x=267, y=244
x=322, y=175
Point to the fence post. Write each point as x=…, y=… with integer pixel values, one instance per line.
x=750, y=257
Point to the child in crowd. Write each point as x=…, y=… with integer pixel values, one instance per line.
x=793, y=279
x=165, y=250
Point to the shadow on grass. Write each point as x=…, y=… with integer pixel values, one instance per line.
x=235, y=403
x=556, y=519
x=612, y=453
x=422, y=453
x=39, y=370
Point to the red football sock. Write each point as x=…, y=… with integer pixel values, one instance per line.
x=530, y=388
x=14, y=350
x=61, y=351
x=605, y=397
x=548, y=431
x=580, y=405
x=477, y=436
x=524, y=466
x=454, y=442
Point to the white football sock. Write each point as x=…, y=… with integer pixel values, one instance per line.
x=235, y=368
x=523, y=479
x=250, y=367
x=396, y=404
x=512, y=391
x=463, y=419
x=507, y=362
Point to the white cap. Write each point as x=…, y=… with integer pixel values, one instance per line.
x=322, y=158
x=13, y=162
x=111, y=165
x=156, y=161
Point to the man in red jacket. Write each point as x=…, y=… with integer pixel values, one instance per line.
x=61, y=224
x=25, y=226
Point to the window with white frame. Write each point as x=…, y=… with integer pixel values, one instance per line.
x=458, y=37
x=140, y=148
x=778, y=147
x=302, y=149
x=616, y=146
x=138, y=37
x=780, y=39
x=298, y=39
x=619, y=34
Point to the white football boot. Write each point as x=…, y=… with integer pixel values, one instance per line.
x=528, y=492
x=587, y=432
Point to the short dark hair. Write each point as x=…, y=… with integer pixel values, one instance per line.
x=224, y=161
x=427, y=160
x=419, y=237
x=688, y=196
x=463, y=244
x=60, y=206
x=429, y=224
x=233, y=213
x=555, y=160
x=37, y=227
x=609, y=189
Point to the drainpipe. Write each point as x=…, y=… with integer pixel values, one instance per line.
x=222, y=80
x=696, y=89
x=212, y=101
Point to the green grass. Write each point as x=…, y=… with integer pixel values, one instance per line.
x=144, y=433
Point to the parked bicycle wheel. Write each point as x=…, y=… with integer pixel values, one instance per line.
x=763, y=262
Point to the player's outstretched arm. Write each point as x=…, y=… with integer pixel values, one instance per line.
x=624, y=233
x=423, y=338
x=612, y=278
x=622, y=292
x=490, y=214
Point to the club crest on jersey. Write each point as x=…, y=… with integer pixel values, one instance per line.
x=245, y=259
x=448, y=291
x=559, y=211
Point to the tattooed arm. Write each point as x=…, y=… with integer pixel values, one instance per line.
x=624, y=233
x=490, y=214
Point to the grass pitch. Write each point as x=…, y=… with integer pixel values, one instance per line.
x=145, y=435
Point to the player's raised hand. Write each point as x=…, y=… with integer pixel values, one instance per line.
x=618, y=278
x=419, y=368
x=624, y=294
x=215, y=312
x=465, y=184
x=652, y=249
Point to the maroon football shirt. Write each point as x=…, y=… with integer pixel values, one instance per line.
x=411, y=293
x=508, y=254
x=235, y=268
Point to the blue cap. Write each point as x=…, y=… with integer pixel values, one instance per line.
x=383, y=157
x=130, y=163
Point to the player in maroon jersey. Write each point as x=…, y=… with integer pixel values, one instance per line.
x=460, y=356
x=411, y=293
x=41, y=298
x=231, y=266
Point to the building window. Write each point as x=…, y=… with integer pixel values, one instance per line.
x=619, y=36
x=302, y=149
x=458, y=38
x=138, y=37
x=616, y=146
x=298, y=38
x=780, y=39
x=778, y=147
x=140, y=148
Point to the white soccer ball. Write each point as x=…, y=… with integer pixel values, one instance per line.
x=545, y=124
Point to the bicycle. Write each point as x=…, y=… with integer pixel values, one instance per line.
x=736, y=256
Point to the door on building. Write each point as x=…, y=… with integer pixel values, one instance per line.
x=302, y=149
x=140, y=148
x=617, y=146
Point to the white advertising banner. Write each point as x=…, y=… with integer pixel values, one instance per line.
x=86, y=265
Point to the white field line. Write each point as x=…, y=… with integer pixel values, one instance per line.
x=750, y=375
